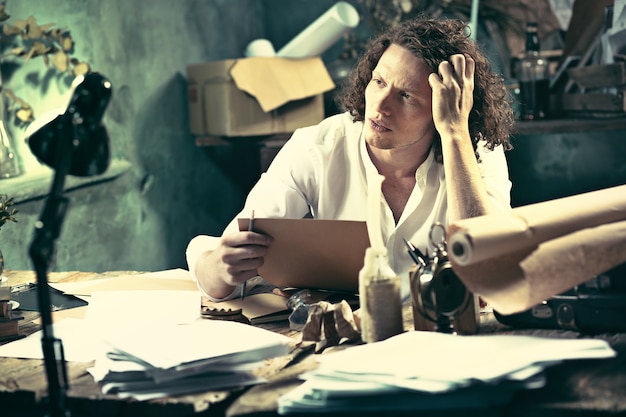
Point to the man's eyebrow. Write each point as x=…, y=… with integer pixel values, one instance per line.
x=411, y=89
x=405, y=88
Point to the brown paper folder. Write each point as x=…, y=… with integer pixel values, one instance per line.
x=313, y=253
x=540, y=250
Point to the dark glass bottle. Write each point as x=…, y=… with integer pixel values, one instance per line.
x=534, y=78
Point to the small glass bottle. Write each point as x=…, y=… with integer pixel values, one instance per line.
x=299, y=304
x=10, y=165
x=534, y=78
x=379, y=295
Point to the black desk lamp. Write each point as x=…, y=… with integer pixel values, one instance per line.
x=75, y=143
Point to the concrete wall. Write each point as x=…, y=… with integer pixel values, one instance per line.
x=174, y=190
x=548, y=166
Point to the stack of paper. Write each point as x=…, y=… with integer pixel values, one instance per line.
x=428, y=370
x=148, y=340
x=174, y=359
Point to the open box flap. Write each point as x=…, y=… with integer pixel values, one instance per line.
x=277, y=81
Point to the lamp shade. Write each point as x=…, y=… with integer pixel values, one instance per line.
x=81, y=123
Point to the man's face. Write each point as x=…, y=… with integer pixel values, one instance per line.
x=398, y=102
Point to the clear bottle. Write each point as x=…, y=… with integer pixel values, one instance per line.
x=534, y=78
x=299, y=304
x=379, y=295
x=10, y=165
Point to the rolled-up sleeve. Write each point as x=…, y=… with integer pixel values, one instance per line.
x=196, y=247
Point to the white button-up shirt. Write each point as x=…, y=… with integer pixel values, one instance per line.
x=324, y=170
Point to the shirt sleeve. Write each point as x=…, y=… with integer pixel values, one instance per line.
x=195, y=248
x=282, y=191
x=495, y=174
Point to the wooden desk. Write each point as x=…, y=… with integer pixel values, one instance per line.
x=23, y=381
x=574, y=388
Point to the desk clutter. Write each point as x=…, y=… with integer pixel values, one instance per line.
x=427, y=371
x=157, y=361
x=142, y=352
x=159, y=357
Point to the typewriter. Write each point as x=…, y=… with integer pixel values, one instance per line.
x=596, y=306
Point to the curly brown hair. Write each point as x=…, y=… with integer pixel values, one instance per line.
x=434, y=41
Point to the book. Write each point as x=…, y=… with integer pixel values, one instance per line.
x=256, y=308
x=5, y=293
x=5, y=309
x=9, y=327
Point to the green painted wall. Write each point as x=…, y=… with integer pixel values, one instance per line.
x=174, y=190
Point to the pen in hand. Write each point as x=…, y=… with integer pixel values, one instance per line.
x=250, y=229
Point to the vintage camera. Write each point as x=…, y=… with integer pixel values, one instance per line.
x=596, y=306
x=440, y=300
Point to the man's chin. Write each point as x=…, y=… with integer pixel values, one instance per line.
x=375, y=141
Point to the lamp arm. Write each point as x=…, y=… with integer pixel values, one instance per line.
x=73, y=143
x=47, y=230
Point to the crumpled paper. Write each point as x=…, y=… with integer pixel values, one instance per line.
x=330, y=324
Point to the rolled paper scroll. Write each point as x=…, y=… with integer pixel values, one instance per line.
x=323, y=32
x=515, y=261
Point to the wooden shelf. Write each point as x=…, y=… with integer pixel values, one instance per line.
x=270, y=140
x=537, y=127
x=568, y=125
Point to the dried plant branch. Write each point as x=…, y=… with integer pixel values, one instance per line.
x=30, y=40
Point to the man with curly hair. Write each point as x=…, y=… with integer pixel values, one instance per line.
x=423, y=109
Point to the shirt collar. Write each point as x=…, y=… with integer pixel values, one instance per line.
x=420, y=173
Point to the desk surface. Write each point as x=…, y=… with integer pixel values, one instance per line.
x=577, y=387
x=23, y=381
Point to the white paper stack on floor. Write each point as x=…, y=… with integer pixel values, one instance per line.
x=174, y=359
x=428, y=370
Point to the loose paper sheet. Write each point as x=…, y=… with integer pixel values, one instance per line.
x=81, y=342
x=463, y=371
x=311, y=253
x=169, y=280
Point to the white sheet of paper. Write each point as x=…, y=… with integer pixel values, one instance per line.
x=86, y=288
x=110, y=310
x=168, y=346
x=81, y=342
x=456, y=359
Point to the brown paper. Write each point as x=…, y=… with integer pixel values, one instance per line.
x=329, y=324
x=480, y=238
x=276, y=81
x=313, y=253
x=565, y=243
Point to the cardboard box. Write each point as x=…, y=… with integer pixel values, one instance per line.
x=256, y=96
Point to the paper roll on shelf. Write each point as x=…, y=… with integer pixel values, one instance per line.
x=322, y=33
x=260, y=47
